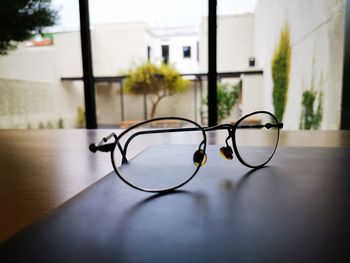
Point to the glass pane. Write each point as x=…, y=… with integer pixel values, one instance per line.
x=289, y=60
x=237, y=90
x=33, y=94
x=309, y=42
x=125, y=38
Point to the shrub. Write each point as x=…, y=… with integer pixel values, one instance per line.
x=81, y=117
x=227, y=97
x=280, y=73
x=312, y=104
x=311, y=115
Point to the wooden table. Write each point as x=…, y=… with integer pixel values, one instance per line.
x=41, y=169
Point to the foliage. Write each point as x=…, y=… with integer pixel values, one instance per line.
x=156, y=82
x=312, y=103
x=81, y=117
x=60, y=123
x=280, y=73
x=227, y=97
x=21, y=19
x=311, y=115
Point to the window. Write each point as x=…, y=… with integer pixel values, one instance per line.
x=187, y=52
x=33, y=95
x=251, y=62
x=165, y=54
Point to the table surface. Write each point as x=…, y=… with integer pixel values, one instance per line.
x=41, y=169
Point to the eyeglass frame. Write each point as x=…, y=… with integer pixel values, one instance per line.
x=103, y=146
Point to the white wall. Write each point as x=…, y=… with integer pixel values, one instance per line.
x=115, y=47
x=31, y=90
x=317, y=32
x=29, y=104
x=252, y=93
x=29, y=63
x=177, y=38
x=68, y=54
x=235, y=42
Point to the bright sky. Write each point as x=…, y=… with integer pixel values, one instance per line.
x=154, y=12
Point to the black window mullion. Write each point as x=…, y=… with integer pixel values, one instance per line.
x=212, y=100
x=345, y=106
x=88, y=78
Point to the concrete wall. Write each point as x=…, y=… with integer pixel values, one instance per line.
x=31, y=90
x=109, y=111
x=317, y=33
x=34, y=104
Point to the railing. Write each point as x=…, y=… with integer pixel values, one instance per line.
x=220, y=75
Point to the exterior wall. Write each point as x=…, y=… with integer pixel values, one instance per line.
x=177, y=38
x=115, y=47
x=152, y=42
x=109, y=112
x=29, y=64
x=235, y=45
x=34, y=104
x=181, y=104
x=31, y=90
x=235, y=42
x=252, y=92
x=317, y=33
x=68, y=54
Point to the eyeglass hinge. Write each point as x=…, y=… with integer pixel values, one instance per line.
x=102, y=148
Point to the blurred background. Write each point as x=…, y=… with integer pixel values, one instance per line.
x=150, y=59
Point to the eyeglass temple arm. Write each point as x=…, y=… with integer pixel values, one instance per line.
x=259, y=126
x=254, y=126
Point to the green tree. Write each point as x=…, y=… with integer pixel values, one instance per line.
x=280, y=73
x=227, y=97
x=156, y=82
x=21, y=19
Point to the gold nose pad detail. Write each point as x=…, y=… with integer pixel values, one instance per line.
x=226, y=152
x=199, y=158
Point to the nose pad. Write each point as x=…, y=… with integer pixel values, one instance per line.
x=199, y=157
x=226, y=152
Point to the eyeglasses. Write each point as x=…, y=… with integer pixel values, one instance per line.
x=163, y=154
